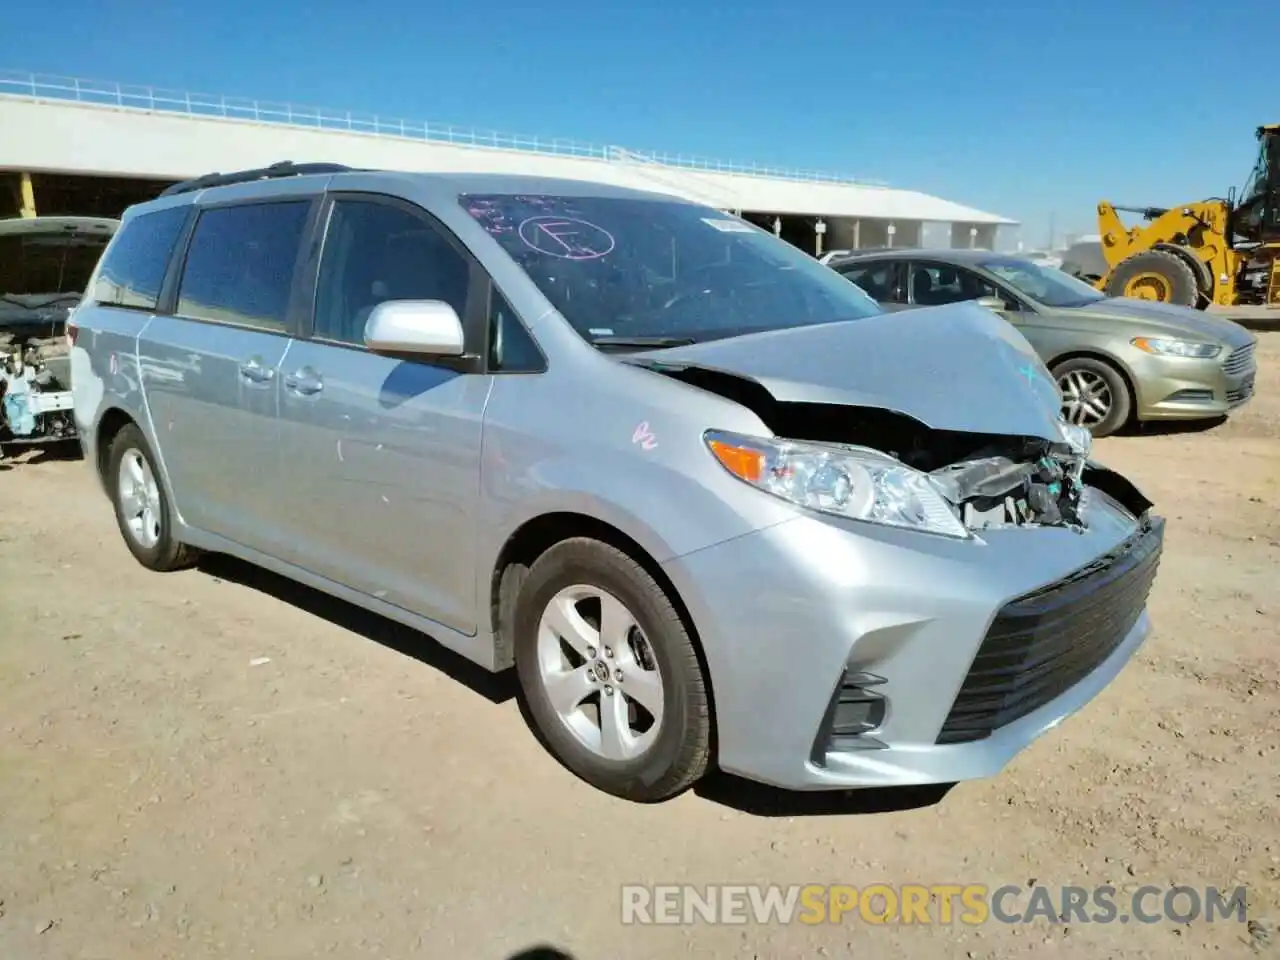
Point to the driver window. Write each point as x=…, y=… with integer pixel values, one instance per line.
x=375, y=252
x=937, y=284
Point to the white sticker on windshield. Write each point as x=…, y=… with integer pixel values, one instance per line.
x=600, y=331
x=729, y=226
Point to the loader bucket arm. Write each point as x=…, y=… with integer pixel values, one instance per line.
x=1116, y=237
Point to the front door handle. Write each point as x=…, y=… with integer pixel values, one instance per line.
x=255, y=371
x=305, y=381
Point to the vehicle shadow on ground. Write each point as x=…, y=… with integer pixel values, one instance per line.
x=18, y=455
x=730, y=791
x=541, y=953
x=496, y=688
x=1171, y=428
x=761, y=800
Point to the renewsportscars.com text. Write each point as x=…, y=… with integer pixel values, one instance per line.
x=969, y=904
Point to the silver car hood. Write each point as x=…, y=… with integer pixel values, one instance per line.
x=957, y=367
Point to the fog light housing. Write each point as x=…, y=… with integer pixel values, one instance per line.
x=856, y=711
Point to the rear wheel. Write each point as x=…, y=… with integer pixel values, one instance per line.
x=1155, y=275
x=609, y=673
x=1094, y=395
x=142, y=508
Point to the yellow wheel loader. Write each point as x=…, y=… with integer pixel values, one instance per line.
x=1220, y=252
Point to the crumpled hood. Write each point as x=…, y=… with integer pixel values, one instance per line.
x=1179, y=321
x=957, y=367
x=34, y=309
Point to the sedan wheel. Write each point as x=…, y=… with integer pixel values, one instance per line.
x=1086, y=398
x=1094, y=394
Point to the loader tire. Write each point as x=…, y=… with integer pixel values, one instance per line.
x=1155, y=275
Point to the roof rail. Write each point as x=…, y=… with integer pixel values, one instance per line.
x=285, y=168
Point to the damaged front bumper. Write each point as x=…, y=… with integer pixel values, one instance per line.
x=883, y=657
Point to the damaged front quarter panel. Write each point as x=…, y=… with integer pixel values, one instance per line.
x=1037, y=473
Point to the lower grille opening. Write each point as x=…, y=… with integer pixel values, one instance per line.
x=1239, y=396
x=1190, y=396
x=1041, y=645
x=856, y=711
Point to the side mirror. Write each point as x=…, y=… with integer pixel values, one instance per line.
x=425, y=327
x=991, y=303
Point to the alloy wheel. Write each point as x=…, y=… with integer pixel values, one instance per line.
x=599, y=672
x=139, y=499
x=1086, y=398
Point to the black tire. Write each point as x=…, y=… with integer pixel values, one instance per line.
x=1199, y=269
x=167, y=553
x=680, y=752
x=1120, y=398
x=1171, y=277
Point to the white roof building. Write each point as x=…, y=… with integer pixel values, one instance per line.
x=59, y=125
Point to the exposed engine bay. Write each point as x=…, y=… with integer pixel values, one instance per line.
x=45, y=263
x=35, y=371
x=999, y=490
x=992, y=480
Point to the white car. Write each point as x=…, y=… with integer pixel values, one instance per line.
x=45, y=263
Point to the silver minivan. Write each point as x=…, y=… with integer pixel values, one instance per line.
x=714, y=505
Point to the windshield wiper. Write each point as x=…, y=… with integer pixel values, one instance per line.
x=640, y=343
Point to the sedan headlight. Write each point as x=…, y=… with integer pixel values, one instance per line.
x=1177, y=348
x=851, y=482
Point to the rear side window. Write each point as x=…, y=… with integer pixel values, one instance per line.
x=132, y=272
x=241, y=262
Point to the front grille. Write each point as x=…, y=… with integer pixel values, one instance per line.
x=1042, y=644
x=1238, y=360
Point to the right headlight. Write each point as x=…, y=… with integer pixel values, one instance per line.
x=1177, y=348
x=851, y=482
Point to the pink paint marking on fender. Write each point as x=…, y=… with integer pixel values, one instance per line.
x=644, y=436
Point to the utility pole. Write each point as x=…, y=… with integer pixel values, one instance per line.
x=1052, y=231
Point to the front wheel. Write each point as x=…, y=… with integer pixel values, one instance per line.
x=1094, y=395
x=609, y=673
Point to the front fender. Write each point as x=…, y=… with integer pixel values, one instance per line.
x=637, y=463
x=669, y=512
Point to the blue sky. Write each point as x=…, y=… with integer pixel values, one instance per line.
x=1030, y=109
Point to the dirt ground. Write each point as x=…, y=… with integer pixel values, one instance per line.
x=164, y=792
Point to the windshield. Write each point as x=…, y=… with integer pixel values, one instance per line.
x=1047, y=285
x=1257, y=181
x=621, y=269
